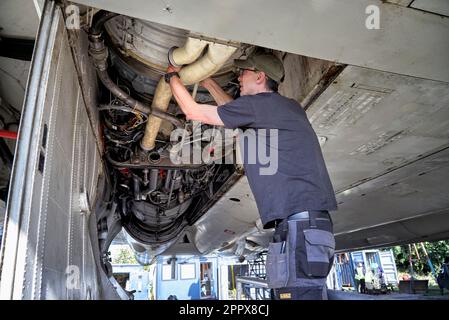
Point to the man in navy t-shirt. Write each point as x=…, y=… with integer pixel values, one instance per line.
x=295, y=193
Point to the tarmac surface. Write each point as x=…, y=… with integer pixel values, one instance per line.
x=344, y=295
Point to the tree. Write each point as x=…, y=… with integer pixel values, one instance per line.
x=437, y=252
x=124, y=256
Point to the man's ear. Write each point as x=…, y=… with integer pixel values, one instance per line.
x=261, y=76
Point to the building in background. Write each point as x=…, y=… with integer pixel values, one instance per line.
x=379, y=266
x=186, y=278
x=133, y=278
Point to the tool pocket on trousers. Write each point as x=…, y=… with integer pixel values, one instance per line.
x=320, y=247
x=276, y=265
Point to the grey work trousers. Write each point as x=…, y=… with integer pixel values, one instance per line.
x=301, y=256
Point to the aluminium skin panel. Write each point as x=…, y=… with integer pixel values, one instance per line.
x=48, y=251
x=408, y=41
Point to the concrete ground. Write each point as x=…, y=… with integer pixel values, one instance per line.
x=344, y=295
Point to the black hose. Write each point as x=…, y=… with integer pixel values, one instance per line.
x=99, y=53
x=119, y=93
x=133, y=103
x=99, y=20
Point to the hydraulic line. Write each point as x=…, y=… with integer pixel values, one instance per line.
x=99, y=54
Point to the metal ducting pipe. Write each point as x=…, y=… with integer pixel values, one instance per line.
x=161, y=100
x=187, y=54
x=136, y=188
x=133, y=103
x=154, y=174
x=215, y=57
x=99, y=54
x=211, y=62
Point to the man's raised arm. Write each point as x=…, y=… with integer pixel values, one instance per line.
x=219, y=95
x=193, y=111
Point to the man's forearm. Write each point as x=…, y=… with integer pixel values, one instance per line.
x=182, y=96
x=219, y=95
x=192, y=110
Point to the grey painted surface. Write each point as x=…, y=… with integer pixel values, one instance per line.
x=404, y=3
x=18, y=18
x=13, y=81
x=50, y=227
x=375, y=121
x=386, y=152
x=228, y=221
x=408, y=42
x=436, y=6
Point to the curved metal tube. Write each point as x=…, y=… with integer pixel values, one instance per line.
x=187, y=54
x=133, y=103
x=121, y=108
x=215, y=57
x=98, y=51
x=207, y=65
x=119, y=93
x=161, y=100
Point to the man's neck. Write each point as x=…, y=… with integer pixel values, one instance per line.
x=263, y=91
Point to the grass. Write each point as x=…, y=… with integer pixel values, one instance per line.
x=435, y=291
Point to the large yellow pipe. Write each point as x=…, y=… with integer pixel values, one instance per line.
x=211, y=62
x=161, y=100
x=187, y=54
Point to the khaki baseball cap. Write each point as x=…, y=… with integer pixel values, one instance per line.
x=267, y=63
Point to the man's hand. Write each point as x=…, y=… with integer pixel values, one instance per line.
x=173, y=69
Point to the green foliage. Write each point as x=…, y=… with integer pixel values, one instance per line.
x=124, y=256
x=438, y=251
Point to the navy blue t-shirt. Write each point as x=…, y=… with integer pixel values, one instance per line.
x=299, y=181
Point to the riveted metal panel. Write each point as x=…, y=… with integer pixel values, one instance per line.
x=233, y=217
x=374, y=121
x=386, y=148
x=48, y=252
x=407, y=41
x=435, y=6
